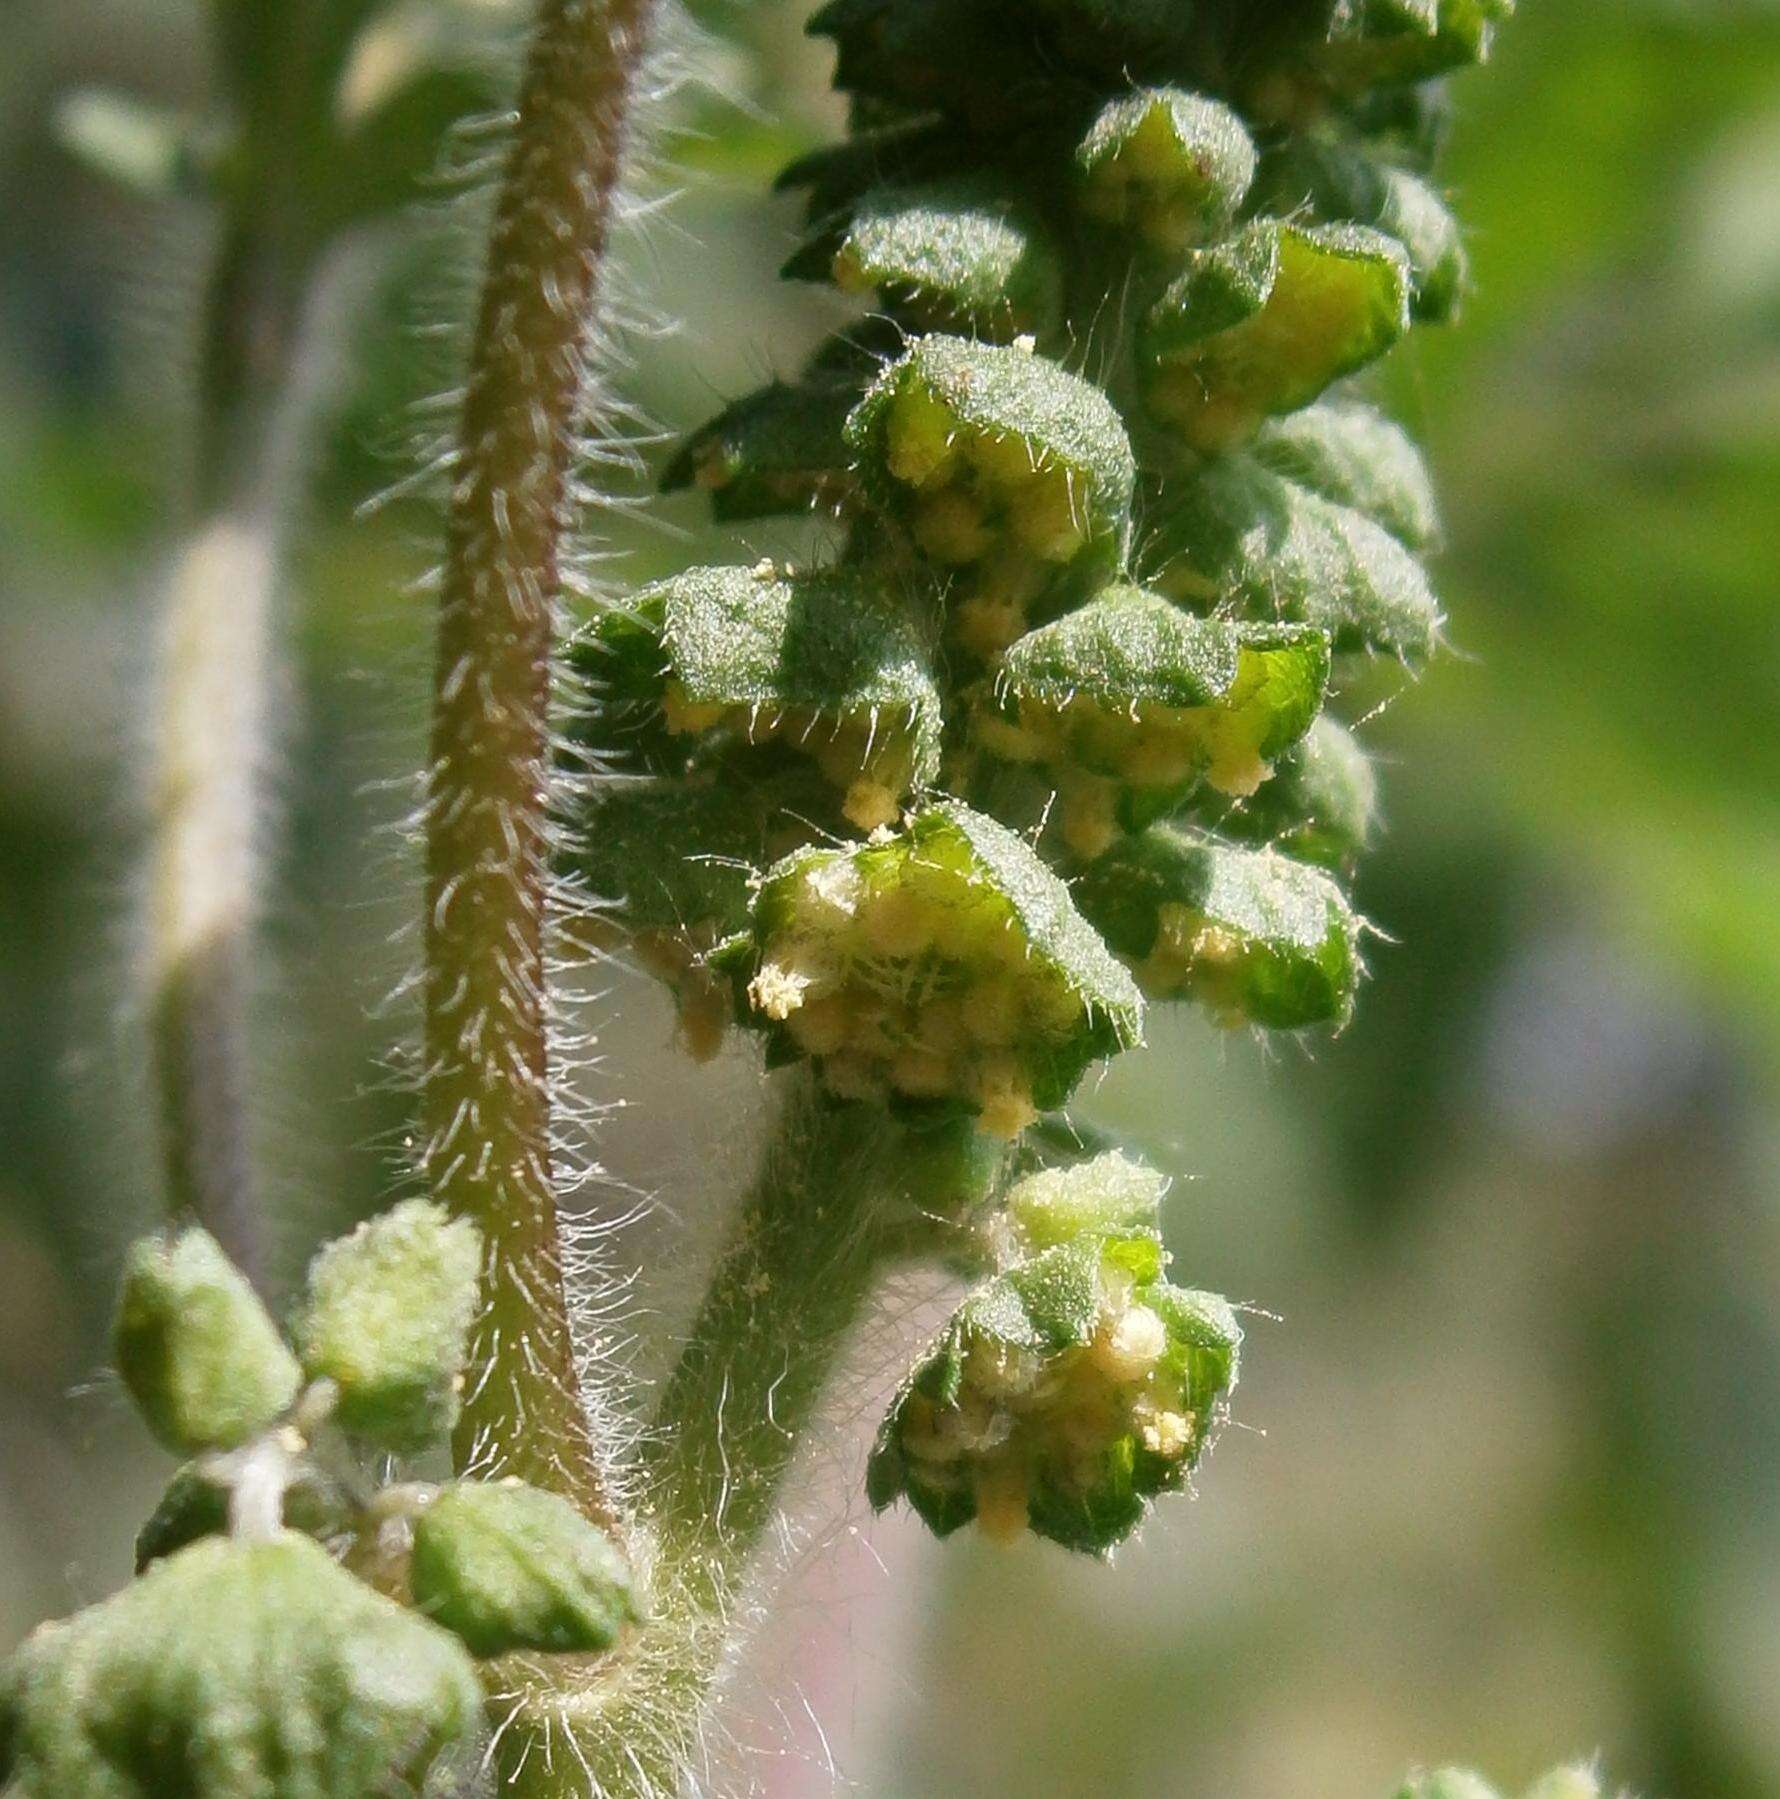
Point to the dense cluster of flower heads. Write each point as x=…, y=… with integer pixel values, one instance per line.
x=1055, y=730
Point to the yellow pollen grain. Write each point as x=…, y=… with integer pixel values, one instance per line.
x=869, y=804
x=896, y=923
x=950, y=527
x=1001, y=1494
x=1133, y=1345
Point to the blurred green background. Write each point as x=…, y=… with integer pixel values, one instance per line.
x=1510, y=1486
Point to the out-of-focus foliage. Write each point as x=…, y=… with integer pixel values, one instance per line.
x=1516, y=1495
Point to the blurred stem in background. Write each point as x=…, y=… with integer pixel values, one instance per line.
x=217, y=672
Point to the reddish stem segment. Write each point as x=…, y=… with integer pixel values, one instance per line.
x=487, y=1091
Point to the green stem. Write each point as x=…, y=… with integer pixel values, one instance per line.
x=486, y=1102
x=811, y=1239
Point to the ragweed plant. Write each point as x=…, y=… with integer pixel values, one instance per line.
x=1057, y=731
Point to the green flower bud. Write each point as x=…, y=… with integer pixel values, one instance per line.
x=833, y=662
x=1005, y=468
x=1319, y=806
x=387, y=1319
x=945, y=964
x=508, y=1566
x=1238, y=535
x=1253, y=936
x=775, y=451
x=1336, y=180
x=1264, y=321
x=233, y=1669
x=1066, y=1394
x=1171, y=166
x=952, y=255
x=1389, y=41
x=1352, y=454
x=1109, y=1195
x=1128, y=702
x=196, y=1505
x=199, y=1354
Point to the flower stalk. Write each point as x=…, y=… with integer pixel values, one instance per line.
x=487, y=1150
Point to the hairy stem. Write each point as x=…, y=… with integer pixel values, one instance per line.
x=800, y=1265
x=487, y=1088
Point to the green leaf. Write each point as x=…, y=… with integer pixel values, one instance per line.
x=945, y=966
x=775, y=451
x=198, y=1352
x=1006, y=468
x=1337, y=181
x=1067, y=1392
x=1264, y=321
x=1240, y=536
x=387, y=1318
x=1319, y=805
x=1171, y=166
x=507, y=1566
x=1352, y=454
x=960, y=254
x=233, y=1669
x=1252, y=935
x=835, y=662
x=1128, y=701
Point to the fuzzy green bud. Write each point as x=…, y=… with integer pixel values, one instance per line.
x=197, y=1350
x=1006, y=469
x=1240, y=536
x=1127, y=702
x=1352, y=454
x=236, y=1671
x=835, y=663
x=1173, y=167
x=1264, y=321
x=1447, y=1783
x=1066, y=1394
x=387, y=1319
x=508, y=1566
x=1255, y=937
x=1319, y=806
x=943, y=967
x=1105, y=1196
x=954, y=255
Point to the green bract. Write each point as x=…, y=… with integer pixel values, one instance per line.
x=1263, y=322
x=954, y=255
x=1338, y=180
x=1108, y=1195
x=387, y=1319
x=778, y=450
x=1005, y=467
x=1354, y=455
x=1318, y=806
x=235, y=1671
x=198, y=1352
x=1242, y=536
x=1254, y=936
x=1128, y=701
x=945, y=964
x=833, y=662
x=507, y=1566
x=1169, y=165
x=1065, y=1394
